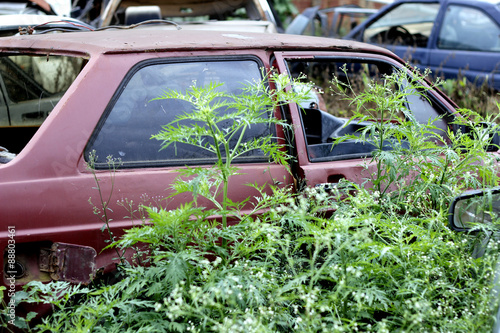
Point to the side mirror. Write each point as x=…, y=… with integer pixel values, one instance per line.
x=473, y=208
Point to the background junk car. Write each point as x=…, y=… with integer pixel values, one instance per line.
x=239, y=15
x=335, y=22
x=451, y=37
x=65, y=96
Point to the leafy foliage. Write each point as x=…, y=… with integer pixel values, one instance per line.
x=419, y=166
x=371, y=260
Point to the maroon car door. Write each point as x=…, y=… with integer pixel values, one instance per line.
x=322, y=119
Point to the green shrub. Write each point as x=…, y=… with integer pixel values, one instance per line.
x=426, y=166
x=383, y=261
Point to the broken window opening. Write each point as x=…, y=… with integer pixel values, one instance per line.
x=325, y=115
x=30, y=88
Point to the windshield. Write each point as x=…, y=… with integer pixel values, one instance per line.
x=407, y=14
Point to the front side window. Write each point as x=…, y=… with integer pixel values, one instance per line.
x=408, y=24
x=325, y=115
x=133, y=117
x=468, y=29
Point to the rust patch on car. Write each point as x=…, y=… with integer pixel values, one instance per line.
x=69, y=262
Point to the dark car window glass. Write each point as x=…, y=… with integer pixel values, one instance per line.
x=126, y=131
x=466, y=28
x=407, y=24
x=33, y=85
x=325, y=113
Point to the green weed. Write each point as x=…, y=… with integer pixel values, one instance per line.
x=377, y=259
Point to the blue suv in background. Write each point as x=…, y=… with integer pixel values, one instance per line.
x=451, y=37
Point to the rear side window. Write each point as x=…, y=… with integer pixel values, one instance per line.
x=133, y=117
x=30, y=87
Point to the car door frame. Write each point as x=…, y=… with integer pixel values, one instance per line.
x=328, y=174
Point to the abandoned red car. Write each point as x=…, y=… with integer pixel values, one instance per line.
x=67, y=95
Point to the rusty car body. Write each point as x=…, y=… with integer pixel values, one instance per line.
x=95, y=99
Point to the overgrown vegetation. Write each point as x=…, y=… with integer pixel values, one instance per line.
x=285, y=10
x=469, y=95
x=481, y=99
x=420, y=166
x=377, y=259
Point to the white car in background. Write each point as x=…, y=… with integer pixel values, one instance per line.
x=228, y=16
x=239, y=15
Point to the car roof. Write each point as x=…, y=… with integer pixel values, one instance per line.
x=144, y=40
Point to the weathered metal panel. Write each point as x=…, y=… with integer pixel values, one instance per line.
x=69, y=262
